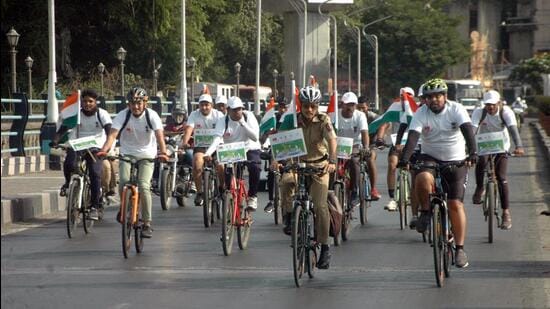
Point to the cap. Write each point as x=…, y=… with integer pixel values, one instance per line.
x=235, y=102
x=408, y=90
x=205, y=98
x=349, y=97
x=221, y=99
x=491, y=97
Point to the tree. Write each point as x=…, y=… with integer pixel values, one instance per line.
x=529, y=71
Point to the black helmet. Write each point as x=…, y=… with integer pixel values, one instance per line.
x=136, y=93
x=310, y=94
x=178, y=111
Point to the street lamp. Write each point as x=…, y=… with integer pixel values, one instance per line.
x=275, y=76
x=155, y=81
x=192, y=63
x=29, y=61
x=13, y=39
x=101, y=69
x=121, y=55
x=238, y=75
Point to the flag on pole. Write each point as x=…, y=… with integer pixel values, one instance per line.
x=205, y=89
x=269, y=121
x=70, y=111
x=289, y=119
x=396, y=112
x=332, y=109
x=409, y=107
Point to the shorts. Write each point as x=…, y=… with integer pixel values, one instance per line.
x=199, y=150
x=453, y=178
x=393, y=151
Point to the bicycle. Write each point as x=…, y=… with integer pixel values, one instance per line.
x=364, y=189
x=211, y=194
x=491, y=200
x=276, y=174
x=79, y=197
x=304, y=246
x=403, y=195
x=441, y=232
x=130, y=208
x=234, y=213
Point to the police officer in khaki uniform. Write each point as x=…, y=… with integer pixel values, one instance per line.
x=320, y=140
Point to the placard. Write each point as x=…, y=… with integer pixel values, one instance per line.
x=83, y=143
x=203, y=137
x=231, y=153
x=490, y=143
x=344, y=147
x=403, y=139
x=288, y=144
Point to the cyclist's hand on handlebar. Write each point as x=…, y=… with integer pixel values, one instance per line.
x=519, y=151
x=101, y=154
x=331, y=167
x=53, y=144
x=403, y=164
x=207, y=158
x=379, y=142
x=163, y=157
x=274, y=166
x=471, y=160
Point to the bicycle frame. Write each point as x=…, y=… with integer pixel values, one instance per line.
x=238, y=191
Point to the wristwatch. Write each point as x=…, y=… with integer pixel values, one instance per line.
x=331, y=161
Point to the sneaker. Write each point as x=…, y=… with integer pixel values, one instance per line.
x=461, y=258
x=375, y=195
x=392, y=206
x=198, y=199
x=477, y=198
x=269, y=207
x=193, y=188
x=251, y=203
x=324, y=258
x=288, y=226
x=412, y=224
x=93, y=215
x=147, y=231
x=63, y=189
x=110, y=193
x=506, y=220
x=423, y=222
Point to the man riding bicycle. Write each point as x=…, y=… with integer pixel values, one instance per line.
x=353, y=124
x=363, y=106
x=221, y=104
x=94, y=121
x=320, y=141
x=139, y=130
x=446, y=131
x=204, y=118
x=241, y=126
x=495, y=117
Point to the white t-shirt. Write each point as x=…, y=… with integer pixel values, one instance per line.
x=137, y=139
x=440, y=133
x=236, y=133
x=199, y=121
x=90, y=125
x=352, y=127
x=493, y=123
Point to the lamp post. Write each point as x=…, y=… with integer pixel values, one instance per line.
x=275, y=76
x=13, y=39
x=192, y=63
x=238, y=75
x=101, y=69
x=121, y=55
x=155, y=81
x=29, y=61
x=335, y=37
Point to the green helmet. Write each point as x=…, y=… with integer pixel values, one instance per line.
x=435, y=85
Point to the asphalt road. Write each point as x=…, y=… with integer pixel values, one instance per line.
x=183, y=265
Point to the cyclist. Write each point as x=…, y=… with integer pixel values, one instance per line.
x=140, y=131
x=203, y=118
x=363, y=106
x=241, y=126
x=93, y=121
x=519, y=108
x=353, y=124
x=281, y=109
x=221, y=104
x=320, y=141
x=494, y=117
x=446, y=130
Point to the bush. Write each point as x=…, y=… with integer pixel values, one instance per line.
x=543, y=104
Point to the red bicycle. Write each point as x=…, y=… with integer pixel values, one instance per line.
x=234, y=213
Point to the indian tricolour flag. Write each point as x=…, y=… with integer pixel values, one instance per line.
x=70, y=111
x=399, y=109
x=268, y=121
x=332, y=109
x=289, y=119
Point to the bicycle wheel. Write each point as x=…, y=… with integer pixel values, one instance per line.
x=438, y=244
x=311, y=252
x=126, y=216
x=277, y=209
x=86, y=203
x=341, y=194
x=165, y=188
x=227, y=222
x=243, y=228
x=401, y=200
x=364, y=196
x=299, y=243
x=491, y=199
x=213, y=198
x=137, y=234
x=72, y=207
x=207, y=196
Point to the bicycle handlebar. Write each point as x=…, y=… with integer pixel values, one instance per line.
x=301, y=168
x=436, y=165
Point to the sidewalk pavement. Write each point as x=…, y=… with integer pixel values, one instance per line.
x=30, y=197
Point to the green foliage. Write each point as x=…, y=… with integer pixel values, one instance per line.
x=543, y=104
x=529, y=71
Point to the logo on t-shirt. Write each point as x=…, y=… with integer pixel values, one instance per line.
x=426, y=129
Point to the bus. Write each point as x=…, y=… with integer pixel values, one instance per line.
x=467, y=92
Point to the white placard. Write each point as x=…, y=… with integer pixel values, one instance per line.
x=231, y=153
x=288, y=144
x=344, y=147
x=83, y=143
x=203, y=137
x=403, y=139
x=490, y=143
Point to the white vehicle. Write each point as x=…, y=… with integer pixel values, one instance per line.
x=468, y=92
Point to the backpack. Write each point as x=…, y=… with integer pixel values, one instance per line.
x=128, y=114
x=227, y=121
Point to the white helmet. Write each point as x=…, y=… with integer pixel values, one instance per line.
x=235, y=102
x=221, y=99
x=310, y=94
x=349, y=97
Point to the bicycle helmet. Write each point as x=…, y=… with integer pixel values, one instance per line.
x=178, y=111
x=435, y=85
x=310, y=94
x=136, y=93
x=221, y=99
x=421, y=90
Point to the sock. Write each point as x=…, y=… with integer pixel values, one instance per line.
x=458, y=247
x=391, y=193
x=324, y=247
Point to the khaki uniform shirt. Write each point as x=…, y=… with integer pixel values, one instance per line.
x=316, y=134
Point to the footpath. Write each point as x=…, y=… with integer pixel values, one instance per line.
x=33, y=198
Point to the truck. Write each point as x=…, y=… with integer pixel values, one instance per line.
x=467, y=92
